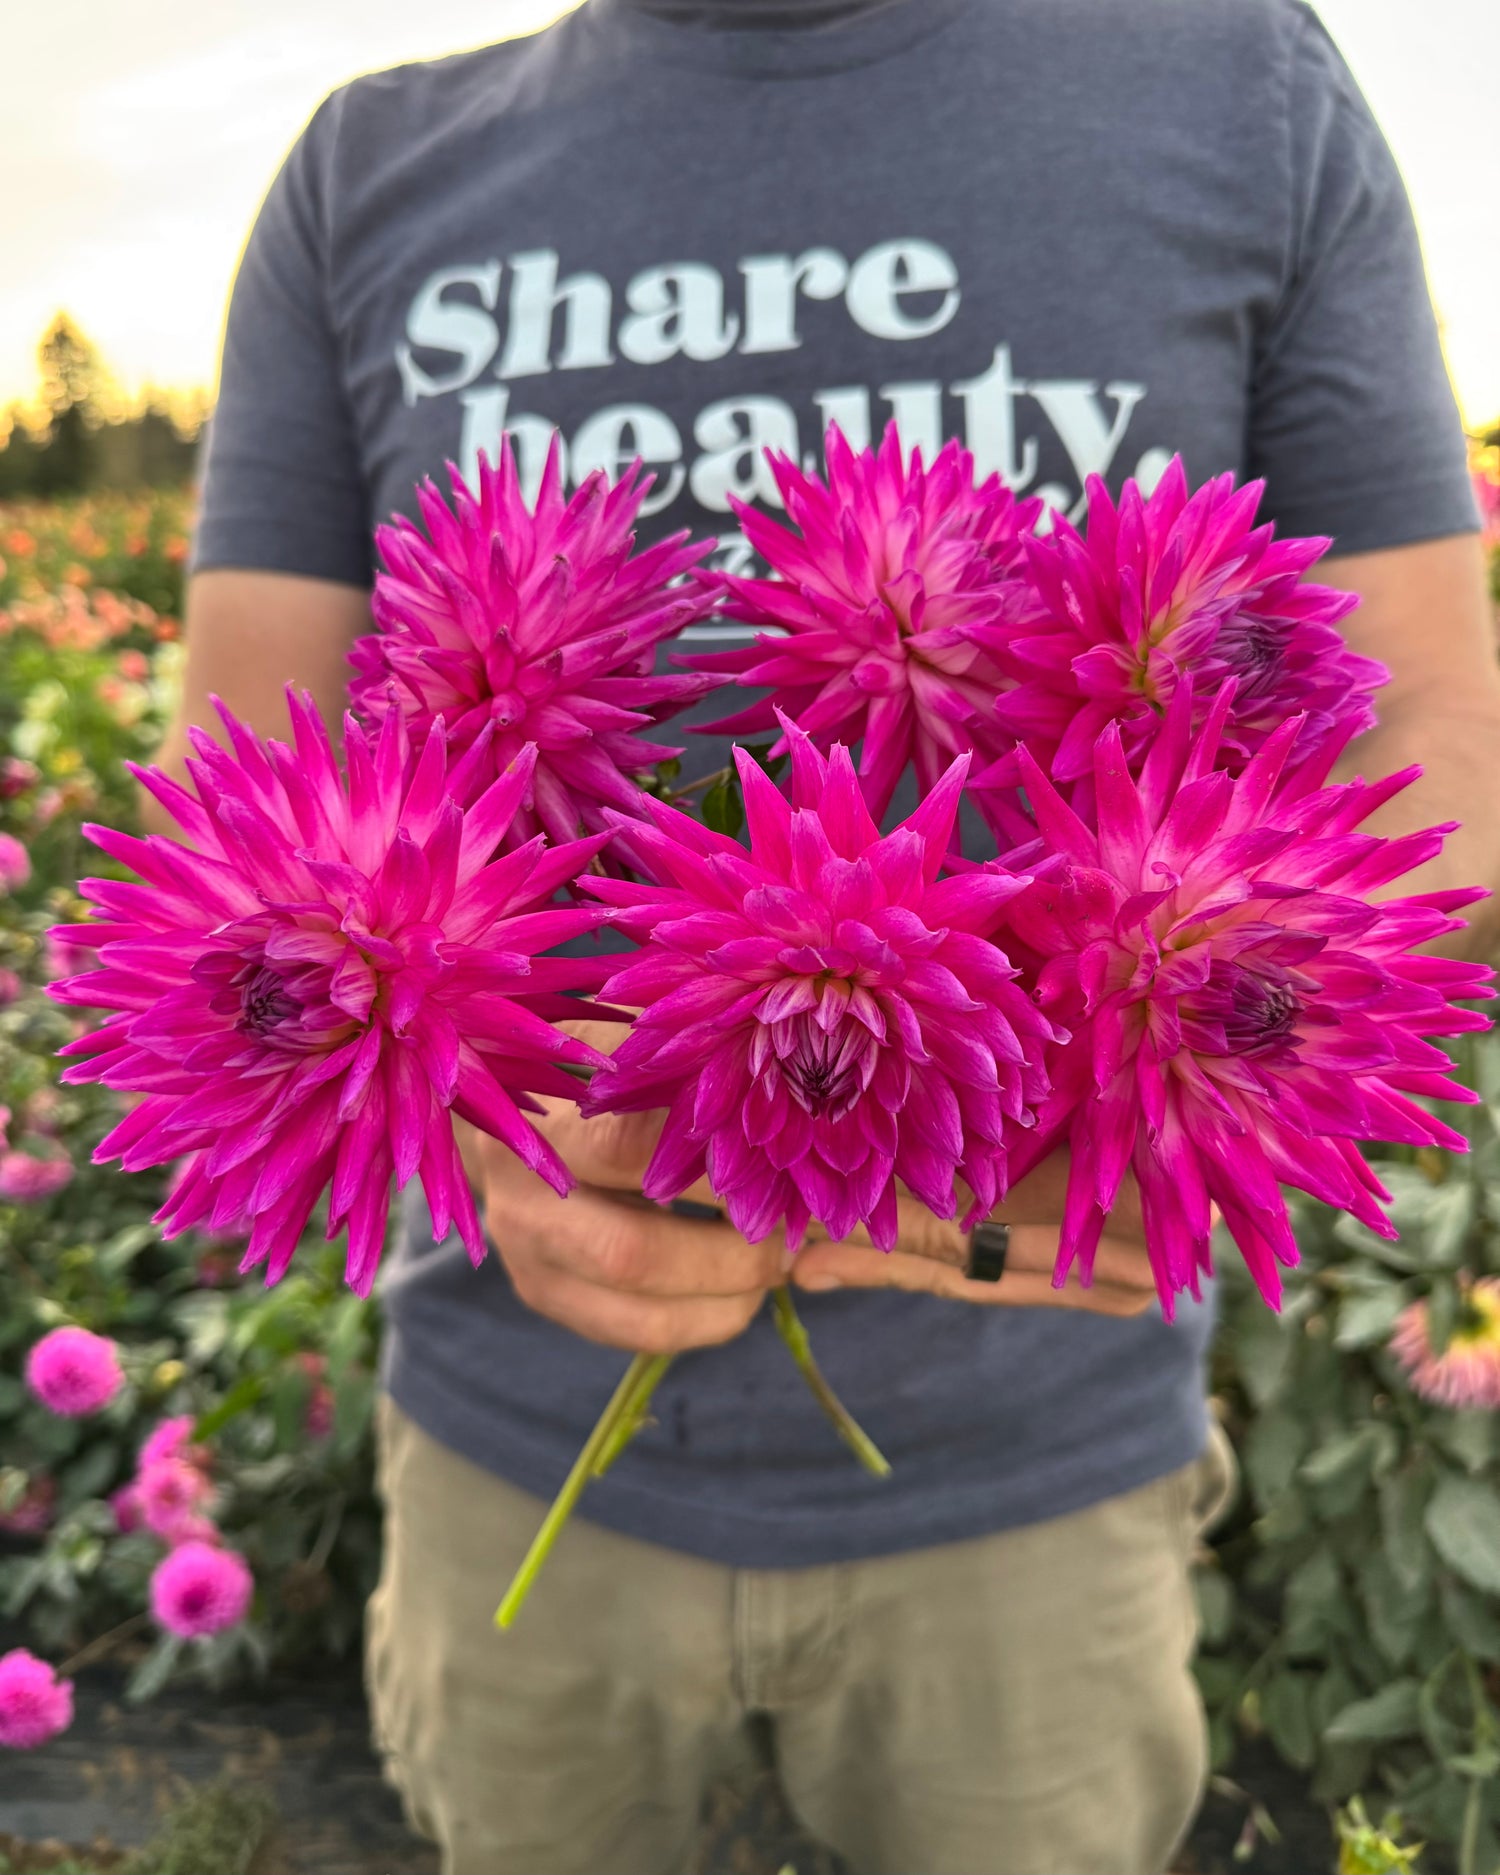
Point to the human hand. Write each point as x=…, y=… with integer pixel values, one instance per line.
x=606, y=1262
x=932, y=1252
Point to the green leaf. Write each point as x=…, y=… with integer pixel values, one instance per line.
x=1390, y=1713
x=723, y=809
x=1286, y=1713
x=125, y=1246
x=1403, y=1497
x=1393, y=1610
x=154, y=1671
x=1469, y=1436
x=1367, y=1320
x=1263, y=1348
x=1463, y=1521
x=1273, y=1447
x=1449, y=1219
x=1314, y=1603
x=1469, y=1620
x=244, y=1394
x=1214, y=1594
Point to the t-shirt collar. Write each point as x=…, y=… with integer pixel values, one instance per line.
x=836, y=41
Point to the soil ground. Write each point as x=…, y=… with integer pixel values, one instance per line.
x=111, y=1779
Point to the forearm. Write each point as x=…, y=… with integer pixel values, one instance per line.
x=1425, y=614
x=1458, y=750
x=249, y=635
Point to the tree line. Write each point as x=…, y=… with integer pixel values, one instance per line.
x=77, y=438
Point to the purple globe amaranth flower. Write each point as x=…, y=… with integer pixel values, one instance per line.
x=311, y=991
x=822, y=1015
x=1241, y=1014
x=35, y=1705
x=892, y=599
x=1166, y=587
x=541, y=626
x=74, y=1372
x=198, y=1589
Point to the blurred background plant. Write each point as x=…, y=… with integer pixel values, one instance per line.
x=280, y=1382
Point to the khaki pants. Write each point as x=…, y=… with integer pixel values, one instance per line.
x=1019, y=1704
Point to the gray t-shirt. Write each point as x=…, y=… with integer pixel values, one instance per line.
x=1081, y=235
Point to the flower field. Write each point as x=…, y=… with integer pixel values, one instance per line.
x=204, y=1505
x=279, y=1383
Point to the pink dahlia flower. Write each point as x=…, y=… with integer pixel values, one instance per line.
x=542, y=626
x=312, y=990
x=1242, y=1015
x=892, y=596
x=822, y=1015
x=126, y=1505
x=173, y=1438
x=1166, y=587
x=35, y=1705
x=15, y=863
x=73, y=1372
x=171, y=1497
x=25, y=1179
x=16, y=776
x=1467, y=1372
x=197, y=1590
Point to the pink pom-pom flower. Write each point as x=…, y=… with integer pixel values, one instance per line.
x=311, y=991
x=1167, y=588
x=1466, y=1373
x=198, y=1590
x=15, y=863
x=35, y=1705
x=1242, y=1015
x=26, y=1179
x=173, y=1438
x=889, y=607
x=541, y=627
x=822, y=1015
x=170, y=1499
x=73, y=1372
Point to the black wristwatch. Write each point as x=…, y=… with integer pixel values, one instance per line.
x=989, y=1245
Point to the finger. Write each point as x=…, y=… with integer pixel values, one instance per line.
x=645, y=1324
x=1040, y=1196
x=646, y=1252
x=845, y=1266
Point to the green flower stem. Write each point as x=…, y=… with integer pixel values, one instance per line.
x=632, y=1415
x=599, y=1441
x=789, y=1327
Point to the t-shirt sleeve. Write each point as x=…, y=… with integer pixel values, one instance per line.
x=283, y=488
x=1353, y=422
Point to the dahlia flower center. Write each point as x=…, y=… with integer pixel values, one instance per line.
x=1256, y=1009
x=824, y=1073
x=1253, y=648
x=289, y=1006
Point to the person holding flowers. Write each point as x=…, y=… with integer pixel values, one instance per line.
x=1079, y=243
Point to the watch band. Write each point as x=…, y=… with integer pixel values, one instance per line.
x=989, y=1245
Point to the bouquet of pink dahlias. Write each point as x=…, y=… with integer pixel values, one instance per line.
x=1179, y=969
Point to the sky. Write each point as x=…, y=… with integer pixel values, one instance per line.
x=138, y=139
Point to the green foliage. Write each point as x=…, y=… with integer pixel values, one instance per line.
x=1352, y=1605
